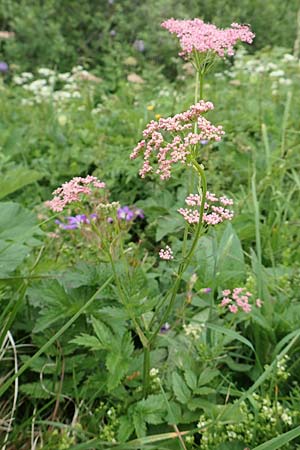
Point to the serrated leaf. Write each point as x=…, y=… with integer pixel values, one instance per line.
x=181, y=391
x=126, y=428
x=207, y=376
x=103, y=333
x=88, y=341
x=152, y=408
x=191, y=379
x=37, y=390
x=139, y=424
x=118, y=360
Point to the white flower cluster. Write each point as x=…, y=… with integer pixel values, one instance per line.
x=58, y=88
x=283, y=72
x=268, y=420
x=193, y=330
x=154, y=378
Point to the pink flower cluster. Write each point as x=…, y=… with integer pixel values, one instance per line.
x=178, y=147
x=166, y=253
x=238, y=299
x=203, y=37
x=72, y=190
x=214, y=209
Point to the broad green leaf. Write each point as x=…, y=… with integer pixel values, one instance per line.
x=17, y=224
x=126, y=428
x=207, y=376
x=230, y=258
x=167, y=226
x=139, y=424
x=152, y=407
x=16, y=179
x=191, y=379
x=11, y=256
x=181, y=391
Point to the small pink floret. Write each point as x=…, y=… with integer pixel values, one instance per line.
x=166, y=253
x=258, y=302
x=233, y=309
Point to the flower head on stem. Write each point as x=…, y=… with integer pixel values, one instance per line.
x=72, y=191
x=196, y=35
x=173, y=140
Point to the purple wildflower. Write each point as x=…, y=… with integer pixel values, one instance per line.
x=139, y=45
x=165, y=328
x=3, y=67
x=74, y=222
x=206, y=290
x=139, y=213
x=204, y=142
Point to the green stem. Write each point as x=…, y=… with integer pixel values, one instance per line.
x=183, y=266
x=198, y=96
x=146, y=371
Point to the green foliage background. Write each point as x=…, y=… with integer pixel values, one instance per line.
x=64, y=33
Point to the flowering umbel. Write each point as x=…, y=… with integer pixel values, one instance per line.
x=72, y=191
x=214, y=207
x=171, y=140
x=195, y=35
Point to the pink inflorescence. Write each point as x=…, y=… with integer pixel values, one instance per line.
x=238, y=299
x=204, y=37
x=170, y=140
x=214, y=209
x=72, y=190
x=166, y=253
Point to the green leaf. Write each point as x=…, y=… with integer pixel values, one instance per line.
x=16, y=179
x=126, y=428
x=231, y=334
x=205, y=391
x=118, y=360
x=168, y=225
x=181, y=391
x=152, y=409
x=88, y=341
x=17, y=224
x=207, y=376
x=103, y=333
x=11, y=256
x=230, y=258
x=279, y=441
x=191, y=379
x=139, y=424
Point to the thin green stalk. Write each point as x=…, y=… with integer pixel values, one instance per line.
x=285, y=122
x=54, y=338
x=183, y=266
x=146, y=371
x=198, y=96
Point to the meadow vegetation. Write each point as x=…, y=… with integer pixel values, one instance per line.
x=149, y=301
